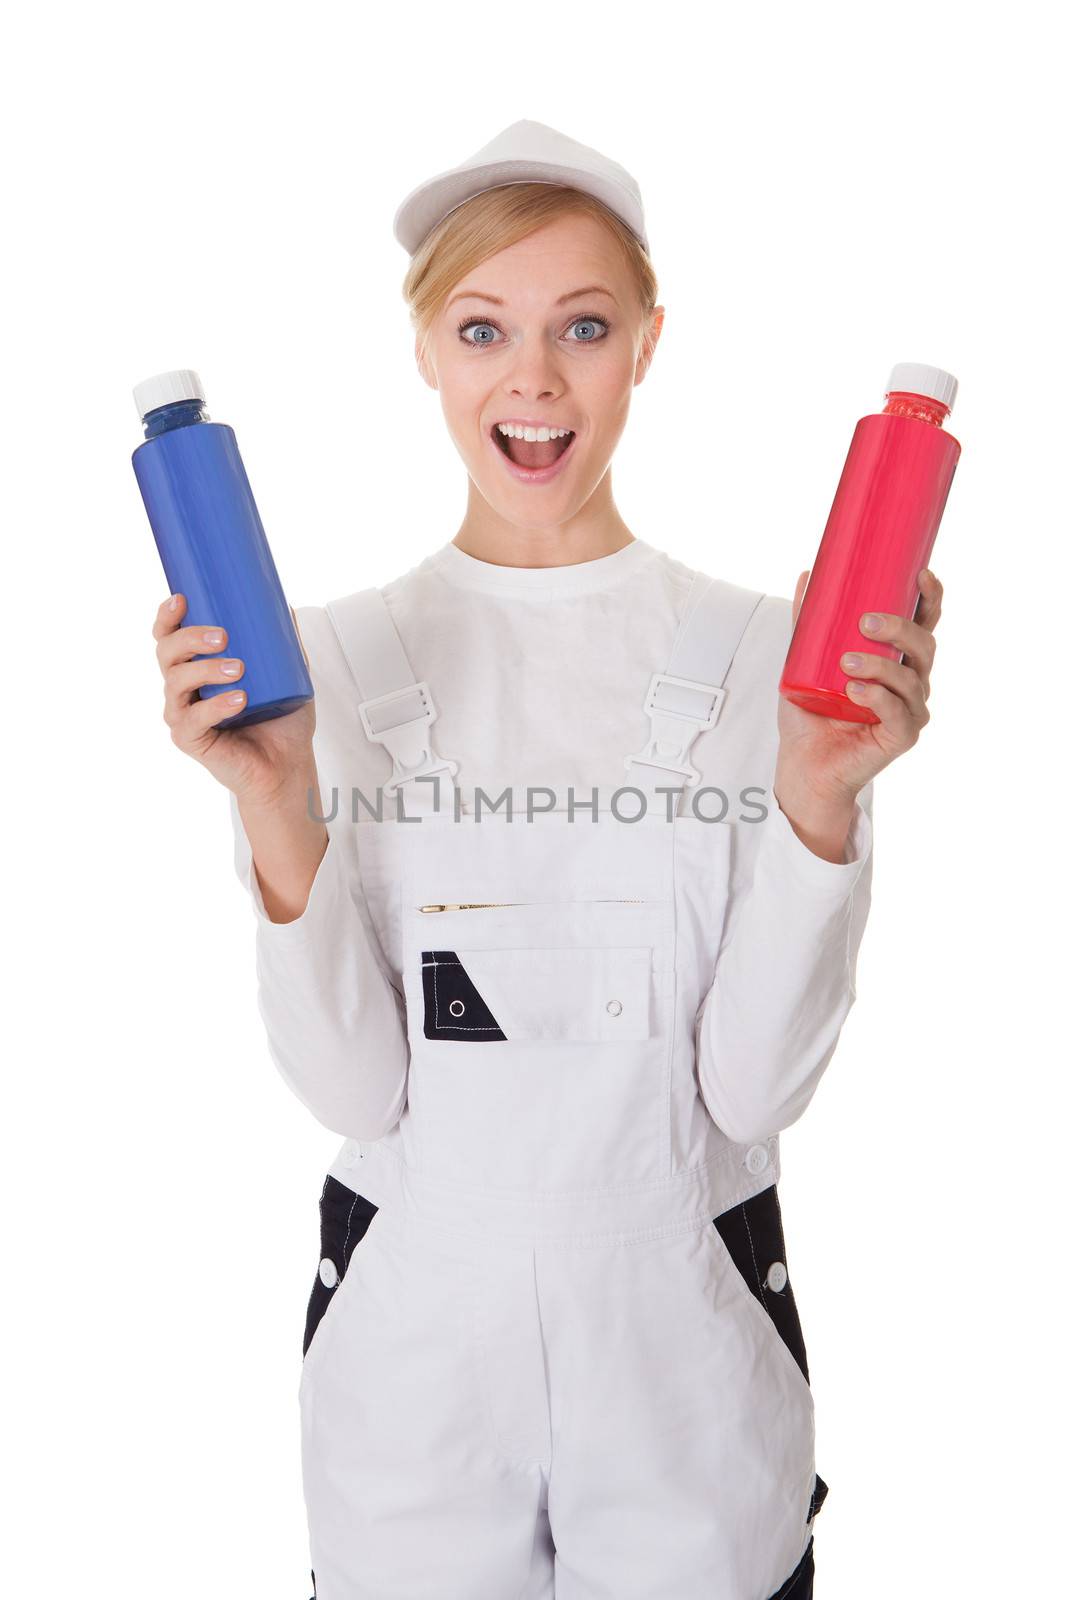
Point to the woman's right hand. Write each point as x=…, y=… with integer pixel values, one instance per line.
x=256, y=763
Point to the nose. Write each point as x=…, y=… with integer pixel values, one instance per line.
x=534, y=392
x=535, y=375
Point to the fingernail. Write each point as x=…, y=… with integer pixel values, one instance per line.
x=213, y=637
x=856, y=688
x=230, y=669
x=851, y=663
x=235, y=698
x=172, y=603
x=872, y=621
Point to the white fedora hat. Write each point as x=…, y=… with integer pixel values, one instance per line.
x=525, y=152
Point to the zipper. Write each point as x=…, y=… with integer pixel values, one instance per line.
x=500, y=905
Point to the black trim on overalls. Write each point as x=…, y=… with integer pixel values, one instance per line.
x=753, y=1233
x=344, y=1218
x=800, y=1584
x=452, y=1006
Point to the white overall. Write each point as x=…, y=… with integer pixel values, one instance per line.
x=542, y=1373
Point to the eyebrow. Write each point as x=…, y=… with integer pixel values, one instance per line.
x=572, y=294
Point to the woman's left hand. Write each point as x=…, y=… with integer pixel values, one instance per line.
x=825, y=761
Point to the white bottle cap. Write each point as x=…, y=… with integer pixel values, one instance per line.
x=165, y=388
x=911, y=377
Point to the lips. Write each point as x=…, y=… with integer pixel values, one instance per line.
x=533, y=461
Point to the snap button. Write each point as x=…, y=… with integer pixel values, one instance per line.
x=613, y=1007
x=756, y=1158
x=457, y=1007
x=327, y=1272
x=777, y=1276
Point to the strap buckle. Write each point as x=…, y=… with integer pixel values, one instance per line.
x=401, y=722
x=679, y=710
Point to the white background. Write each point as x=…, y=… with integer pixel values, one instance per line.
x=829, y=189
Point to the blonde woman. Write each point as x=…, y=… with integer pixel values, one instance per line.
x=558, y=907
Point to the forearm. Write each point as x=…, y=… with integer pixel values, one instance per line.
x=334, y=1020
x=334, y=1023
x=287, y=845
x=784, y=979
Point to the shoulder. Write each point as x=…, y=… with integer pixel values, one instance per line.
x=768, y=634
x=770, y=616
x=326, y=659
x=322, y=627
x=343, y=751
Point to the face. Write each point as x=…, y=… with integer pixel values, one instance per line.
x=547, y=335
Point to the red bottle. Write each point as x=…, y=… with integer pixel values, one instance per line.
x=878, y=538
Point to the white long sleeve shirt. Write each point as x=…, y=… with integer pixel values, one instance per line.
x=539, y=677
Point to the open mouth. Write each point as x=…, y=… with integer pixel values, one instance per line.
x=532, y=455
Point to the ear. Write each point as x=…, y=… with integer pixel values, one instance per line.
x=425, y=366
x=650, y=342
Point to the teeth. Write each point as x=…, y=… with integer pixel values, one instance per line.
x=531, y=435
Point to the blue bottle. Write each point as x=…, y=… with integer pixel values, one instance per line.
x=212, y=545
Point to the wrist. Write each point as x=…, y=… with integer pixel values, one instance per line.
x=295, y=797
x=821, y=823
x=288, y=844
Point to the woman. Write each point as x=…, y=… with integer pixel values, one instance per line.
x=574, y=944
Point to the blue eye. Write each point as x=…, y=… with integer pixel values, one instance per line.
x=475, y=322
x=588, y=322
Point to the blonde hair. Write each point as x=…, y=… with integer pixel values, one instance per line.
x=492, y=221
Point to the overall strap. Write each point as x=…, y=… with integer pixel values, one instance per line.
x=396, y=710
x=688, y=698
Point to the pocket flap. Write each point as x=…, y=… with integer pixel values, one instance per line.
x=586, y=994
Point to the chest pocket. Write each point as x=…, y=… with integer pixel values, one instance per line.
x=588, y=995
